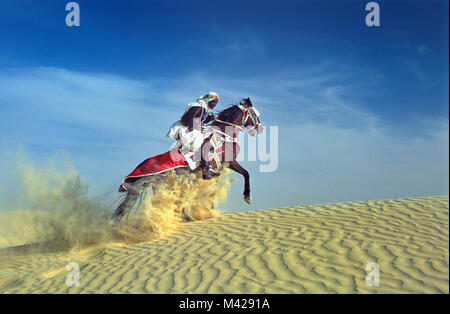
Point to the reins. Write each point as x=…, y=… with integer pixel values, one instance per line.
x=229, y=123
x=245, y=115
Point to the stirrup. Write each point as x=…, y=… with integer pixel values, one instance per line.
x=209, y=174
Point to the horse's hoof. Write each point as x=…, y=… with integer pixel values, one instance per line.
x=247, y=199
x=185, y=217
x=210, y=175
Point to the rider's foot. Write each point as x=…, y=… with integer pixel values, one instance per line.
x=208, y=173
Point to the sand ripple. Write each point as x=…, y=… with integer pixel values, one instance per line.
x=307, y=249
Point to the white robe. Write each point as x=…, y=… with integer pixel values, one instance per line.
x=191, y=140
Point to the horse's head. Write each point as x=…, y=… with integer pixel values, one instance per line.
x=250, y=117
x=242, y=117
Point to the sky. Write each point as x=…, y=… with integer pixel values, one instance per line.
x=362, y=112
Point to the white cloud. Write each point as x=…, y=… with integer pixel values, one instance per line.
x=332, y=147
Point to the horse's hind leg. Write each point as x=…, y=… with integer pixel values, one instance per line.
x=185, y=216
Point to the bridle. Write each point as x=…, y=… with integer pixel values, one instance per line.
x=247, y=113
x=253, y=114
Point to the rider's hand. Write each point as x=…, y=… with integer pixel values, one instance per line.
x=210, y=117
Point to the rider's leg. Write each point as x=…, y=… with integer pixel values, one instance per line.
x=207, y=170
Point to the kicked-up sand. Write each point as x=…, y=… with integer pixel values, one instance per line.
x=306, y=249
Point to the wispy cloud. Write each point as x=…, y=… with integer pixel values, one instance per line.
x=332, y=147
x=249, y=46
x=242, y=43
x=423, y=49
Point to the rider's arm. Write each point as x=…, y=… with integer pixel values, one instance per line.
x=188, y=118
x=209, y=118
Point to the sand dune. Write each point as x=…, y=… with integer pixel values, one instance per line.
x=306, y=249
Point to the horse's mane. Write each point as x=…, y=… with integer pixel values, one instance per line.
x=229, y=113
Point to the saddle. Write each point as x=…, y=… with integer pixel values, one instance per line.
x=215, y=137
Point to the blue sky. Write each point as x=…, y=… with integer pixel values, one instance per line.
x=362, y=112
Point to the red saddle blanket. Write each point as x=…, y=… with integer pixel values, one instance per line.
x=155, y=165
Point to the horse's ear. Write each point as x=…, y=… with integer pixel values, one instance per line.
x=249, y=102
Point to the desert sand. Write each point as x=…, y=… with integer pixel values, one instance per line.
x=306, y=249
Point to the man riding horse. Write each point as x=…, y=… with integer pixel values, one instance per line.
x=189, y=128
x=242, y=117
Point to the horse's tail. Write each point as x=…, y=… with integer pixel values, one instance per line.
x=125, y=207
x=135, y=191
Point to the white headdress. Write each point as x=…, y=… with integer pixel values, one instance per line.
x=210, y=96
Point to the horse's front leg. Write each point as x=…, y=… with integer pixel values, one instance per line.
x=234, y=165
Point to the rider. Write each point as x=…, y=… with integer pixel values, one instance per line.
x=197, y=114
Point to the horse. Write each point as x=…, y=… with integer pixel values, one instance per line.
x=226, y=126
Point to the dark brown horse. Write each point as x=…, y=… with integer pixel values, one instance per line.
x=227, y=125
